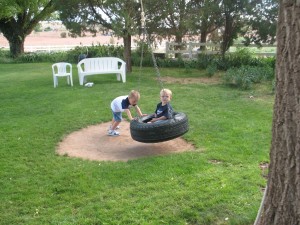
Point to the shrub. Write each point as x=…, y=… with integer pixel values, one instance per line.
x=104, y=50
x=268, y=61
x=242, y=57
x=63, y=34
x=47, y=29
x=68, y=56
x=5, y=56
x=245, y=76
x=211, y=63
x=28, y=57
x=204, y=60
x=38, y=28
x=42, y=57
x=211, y=69
x=188, y=65
x=72, y=35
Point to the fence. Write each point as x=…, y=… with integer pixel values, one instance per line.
x=188, y=50
x=191, y=49
x=48, y=48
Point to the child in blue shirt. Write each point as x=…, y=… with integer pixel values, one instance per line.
x=163, y=110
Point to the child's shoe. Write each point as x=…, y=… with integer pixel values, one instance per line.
x=117, y=128
x=113, y=133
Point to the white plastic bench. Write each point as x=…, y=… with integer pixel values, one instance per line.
x=102, y=65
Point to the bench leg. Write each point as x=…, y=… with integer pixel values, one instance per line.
x=118, y=77
x=55, y=81
x=81, y=79
x=123, y=77
x=71, y=80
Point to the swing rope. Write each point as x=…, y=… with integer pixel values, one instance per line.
x=175, y=126
x=141, y=62
x=145, y=34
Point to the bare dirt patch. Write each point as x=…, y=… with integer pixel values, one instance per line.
x=202, y=80
x=92, y=143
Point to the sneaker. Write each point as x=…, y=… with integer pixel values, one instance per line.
x=113, y=133
x=117, y=128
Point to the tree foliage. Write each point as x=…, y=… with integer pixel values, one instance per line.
x=228, y=18
x=255, y=19
x=203, y=21
x=262, y=23
x=7, y=8
x=122, y=17
x=172, y=17
x=233, y=18
x=19, y=17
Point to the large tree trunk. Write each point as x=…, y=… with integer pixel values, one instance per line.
x=203, y=36
x=227, y=38
x=178, y=39
x=15, y=35
x=282, y=198
x=16, y=45
x=127, y=52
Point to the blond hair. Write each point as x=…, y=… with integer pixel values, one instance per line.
x=168, y=91
x=134, y=94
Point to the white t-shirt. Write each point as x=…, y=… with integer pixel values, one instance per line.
x=119, y=104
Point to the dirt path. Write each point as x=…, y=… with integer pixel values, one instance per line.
x=93, y=143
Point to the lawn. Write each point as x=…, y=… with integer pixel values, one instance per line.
x=218, y=183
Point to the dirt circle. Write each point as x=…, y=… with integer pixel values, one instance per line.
x=93, y=143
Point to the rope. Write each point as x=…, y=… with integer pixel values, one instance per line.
x=145, y=33
x=141, y=63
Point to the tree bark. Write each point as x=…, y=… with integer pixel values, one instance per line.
x=228, y=34
x=127, y=51
x=178, y=39
x=12, y=31
x=203, y=36
x=282, y=201
x=16, y=45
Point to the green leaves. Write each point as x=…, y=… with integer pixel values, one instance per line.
x=8, y=8
x=19, y=18
x=245, y=76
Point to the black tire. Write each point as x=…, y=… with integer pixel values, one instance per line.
x=158, y=132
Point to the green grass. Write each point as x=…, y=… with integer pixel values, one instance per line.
x=218, y=183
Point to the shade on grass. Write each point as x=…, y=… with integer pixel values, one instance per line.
x=219, y=183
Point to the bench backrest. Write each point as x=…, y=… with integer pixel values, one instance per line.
x=101, y=64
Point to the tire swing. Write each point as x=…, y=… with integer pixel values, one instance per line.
x=145, y=132
x=158, y=132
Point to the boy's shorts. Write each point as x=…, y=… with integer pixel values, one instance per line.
x=117, y=116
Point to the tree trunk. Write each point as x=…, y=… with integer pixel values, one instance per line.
x=127, y=52
x=282, y=199
x=203, y=36
x=227, y=35
x=16, y=45
x=178, y=39
x=15, y=34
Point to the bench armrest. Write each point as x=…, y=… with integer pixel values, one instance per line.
x=123, y=64
x=79, y=67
